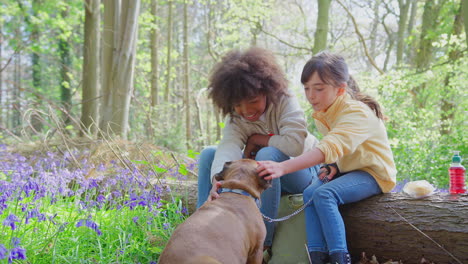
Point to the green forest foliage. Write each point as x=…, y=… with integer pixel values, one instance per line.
x=426, y=107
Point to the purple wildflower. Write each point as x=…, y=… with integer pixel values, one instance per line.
x=11, y=221
x=17, y=253
x=135, y=219
x=80, y=223
x=29, y=187
x=185, y=211
x=101, y=198
x=101, y=167
x=166, y=225
x=3, y=251
x=35, y=213
x=90, y=224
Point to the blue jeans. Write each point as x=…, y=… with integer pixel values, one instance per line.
x=324, y=225
x=291, y=183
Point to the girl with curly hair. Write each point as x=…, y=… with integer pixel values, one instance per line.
x=263, y=122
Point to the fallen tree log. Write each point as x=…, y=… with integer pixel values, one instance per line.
x=395, y=226
x=389, y=226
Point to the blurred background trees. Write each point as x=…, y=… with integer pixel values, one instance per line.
x=138, y=69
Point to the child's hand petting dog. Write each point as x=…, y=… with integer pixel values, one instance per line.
x=214, y=190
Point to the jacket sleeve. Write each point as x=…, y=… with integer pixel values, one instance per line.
x=292, y=128
x=231, y=146
x=350, y=130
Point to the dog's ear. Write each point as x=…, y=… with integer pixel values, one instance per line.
x=265, y=184
x=220, y=175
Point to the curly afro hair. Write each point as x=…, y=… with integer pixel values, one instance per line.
x=245, y=74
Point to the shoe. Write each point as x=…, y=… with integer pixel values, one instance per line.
x=317, y=257
x=340, y=258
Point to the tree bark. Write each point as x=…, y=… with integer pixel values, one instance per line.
x=411, y=20
x=320, y=37
x=169, y=51
x=91, y=66
x=154, y=55
x=394, y=226
x=188, y=121
x=402, y=21
x=373, y=32
x=65, y=80
x=424, y=52
x=429, y=21
x=16, y=93
x=118, y=66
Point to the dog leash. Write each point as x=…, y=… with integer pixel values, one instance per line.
x=271, y=220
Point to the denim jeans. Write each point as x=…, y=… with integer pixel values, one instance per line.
x=291, y=183
x=324, y=225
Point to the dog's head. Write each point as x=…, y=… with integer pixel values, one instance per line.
x=242, y=174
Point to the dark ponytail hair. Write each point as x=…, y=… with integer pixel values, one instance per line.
x=332, y=69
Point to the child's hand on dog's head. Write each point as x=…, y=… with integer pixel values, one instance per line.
x=270, y=170
x=214, y=190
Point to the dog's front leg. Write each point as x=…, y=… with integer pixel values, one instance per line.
x=256, y=257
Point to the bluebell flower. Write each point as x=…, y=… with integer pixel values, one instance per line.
x=17, y=253
x=135, y=219
x=101, y=198
x=11, y=221
x=80, y=223
x=90, y=224
x=3, y=252
x=185, y=211
x=101, y=167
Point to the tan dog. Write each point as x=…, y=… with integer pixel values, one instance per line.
x=227, y=230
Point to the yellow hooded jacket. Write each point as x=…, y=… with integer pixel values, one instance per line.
x=356, y=139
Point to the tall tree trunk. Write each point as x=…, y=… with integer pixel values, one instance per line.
x=120, y=37
x=65, y=92
x=448, y=107
x=409, y=51
x=91, y=67
x=16, y=96
x=35, y=61
x=424, y=52
x=429, y=21
x=373, y=31
x=188, y=120
x=320, y=37
x=169, y=50
x=154, y=55
x=402, y=21
x=154, y=75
